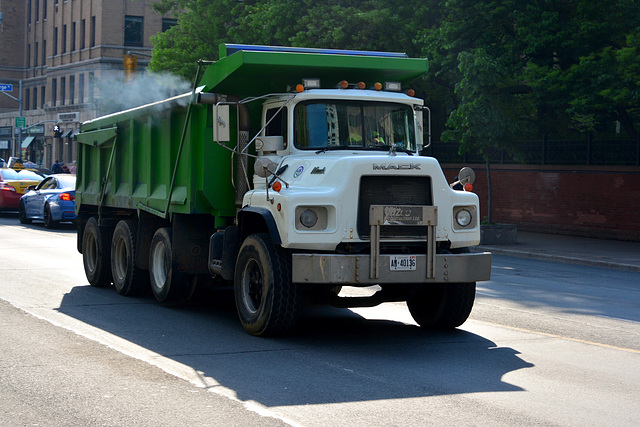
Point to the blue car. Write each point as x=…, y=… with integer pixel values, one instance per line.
x=51, y=201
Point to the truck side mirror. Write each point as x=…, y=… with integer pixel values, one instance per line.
x=221, y=127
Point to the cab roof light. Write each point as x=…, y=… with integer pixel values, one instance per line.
x=411, y=92
x=377, y=86
x=361, y=85
x=393, y=86
x=344, y=84
x=299, y=88
x=311, y=83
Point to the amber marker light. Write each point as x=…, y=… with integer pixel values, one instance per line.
x=277, y=186
x=468, y=187
x=411, y=92
x=299, y=88
x=361, y=85
x=344, y=84
x=377, y=86
x=279, y=207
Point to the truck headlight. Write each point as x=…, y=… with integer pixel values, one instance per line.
x=311, y=218
x=308, y=218
x=463, y=217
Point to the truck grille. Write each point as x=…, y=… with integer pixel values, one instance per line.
x=392, y=190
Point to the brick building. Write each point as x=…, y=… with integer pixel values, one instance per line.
x=55, y=54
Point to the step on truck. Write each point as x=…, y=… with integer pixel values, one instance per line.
x=291, y=174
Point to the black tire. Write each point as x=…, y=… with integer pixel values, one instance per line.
x=442, y=305
x=22, y=213
x=128, y=279
x=167, y=284
x=266, y=300
x=96, y=245
x=48, y=222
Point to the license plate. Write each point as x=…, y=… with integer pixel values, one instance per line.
x=402, y=262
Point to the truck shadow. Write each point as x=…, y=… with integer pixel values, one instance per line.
x=333, y=356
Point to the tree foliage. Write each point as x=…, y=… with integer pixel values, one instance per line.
x=500, y=70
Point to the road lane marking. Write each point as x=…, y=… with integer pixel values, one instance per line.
x=514, y=328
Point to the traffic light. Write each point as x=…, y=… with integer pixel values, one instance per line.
x=129, y=67
x=57, y=132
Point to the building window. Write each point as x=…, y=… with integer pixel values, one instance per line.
x=168, y=23
x=81, y=88
x=44, y=10
x=35, y=57
x=63, y=90
x=64, y=39
x=29, y=12
x=92, y=80
x=55, y=41
x=27, y=94
x=44, y=52
x=54, y=92
x=93, y=31
x=37, y=10
x=72, y=89
x=73, y=37
x=83, y=33
x=28, y=56
x=133, y=30
x=35, y=98
x=42, y=97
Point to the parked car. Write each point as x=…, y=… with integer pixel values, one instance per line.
x=52, y=201
x=13, y=184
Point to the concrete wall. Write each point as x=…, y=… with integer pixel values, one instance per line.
x=601, y=202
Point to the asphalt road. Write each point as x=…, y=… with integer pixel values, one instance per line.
x=547, y=344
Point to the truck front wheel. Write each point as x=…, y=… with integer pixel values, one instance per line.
x=442, y=305
x=267, y=302
x=166, y=283
x=95, y=253
x=128, y=279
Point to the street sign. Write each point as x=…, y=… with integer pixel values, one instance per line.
x=21, y=122
x=6, y=87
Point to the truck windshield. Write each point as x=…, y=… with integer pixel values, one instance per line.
x=326, y=125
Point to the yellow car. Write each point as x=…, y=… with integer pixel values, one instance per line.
x=13, y=184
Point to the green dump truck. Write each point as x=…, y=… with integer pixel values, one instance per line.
x=291, y=174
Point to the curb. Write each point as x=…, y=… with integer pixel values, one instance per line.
x=558, y=258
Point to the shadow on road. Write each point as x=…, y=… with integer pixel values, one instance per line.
x=334, y=355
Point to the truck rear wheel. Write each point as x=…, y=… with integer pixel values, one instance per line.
x=128, y=279
x=166, y=283
x=266, y=300
x=95, y=253
x=443, y=305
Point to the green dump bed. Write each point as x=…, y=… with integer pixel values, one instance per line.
x=135, y=159
x=128, y=160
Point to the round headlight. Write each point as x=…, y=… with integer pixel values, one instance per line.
x=308, y=218
x=463, y=217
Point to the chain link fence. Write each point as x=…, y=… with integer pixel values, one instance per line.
x=596, y=152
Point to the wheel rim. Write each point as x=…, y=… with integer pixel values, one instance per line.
x=252, y=286
x=160, y=268
x=120, y=258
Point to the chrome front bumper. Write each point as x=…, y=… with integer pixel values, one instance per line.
x=355, y=269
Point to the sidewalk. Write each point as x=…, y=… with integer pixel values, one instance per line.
x=574, y=250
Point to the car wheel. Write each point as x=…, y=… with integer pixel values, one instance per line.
x=22, y=213
x=96, y=242
x=442, y=305
x=167, y=284
x=267, y=302
x=128, y=279
x=48, y=220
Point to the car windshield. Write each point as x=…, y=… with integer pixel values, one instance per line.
x=326, y=125
x=19, y=175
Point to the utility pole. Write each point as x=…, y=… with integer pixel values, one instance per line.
x=16, y=149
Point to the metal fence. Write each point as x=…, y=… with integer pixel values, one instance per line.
x=597, y=152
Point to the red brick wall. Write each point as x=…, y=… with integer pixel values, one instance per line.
x=591, y=201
